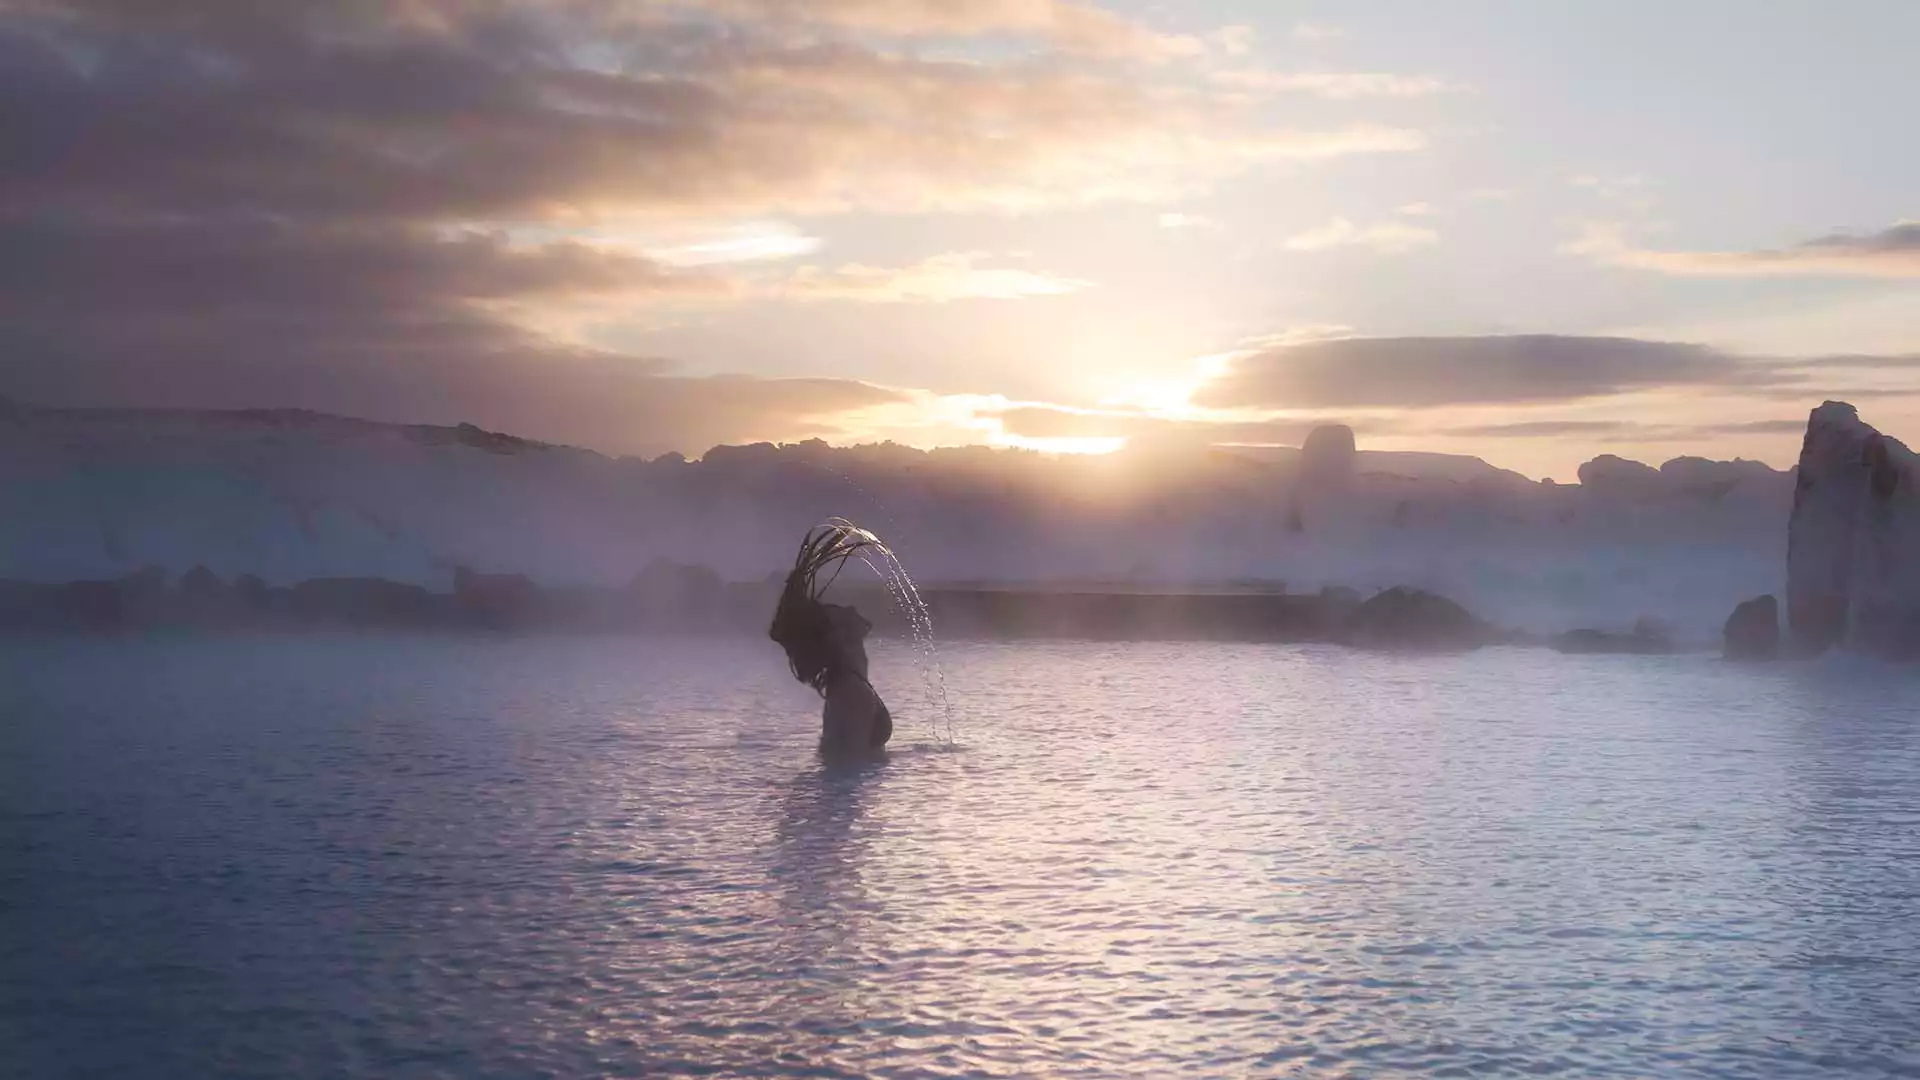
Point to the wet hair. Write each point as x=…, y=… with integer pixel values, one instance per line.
x=803, y=625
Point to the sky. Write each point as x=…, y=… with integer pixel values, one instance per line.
x=1530, y=232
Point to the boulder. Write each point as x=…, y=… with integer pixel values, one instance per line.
x=1327, y=456
x=1610, y=474
x=363, y=602
x=1337, y=606
x=145, y=585
x=1852, y=573
x=495, y=600
x=251, y=591
x=1647, y=638
x=203, y=585
x=1753, y=630
x=204, y=599
x=1409, y=618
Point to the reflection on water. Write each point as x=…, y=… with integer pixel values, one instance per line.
x=415, y=858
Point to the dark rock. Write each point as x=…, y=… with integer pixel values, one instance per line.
x=1647, y=638
x=1614, y=475
x=205, y=600
x=1753, y=630
x=250, y=589
x=364, y=602
x=201, y=583
x=29, y=606
x=1327, y=457
x=145, y=583
x=100, y=606
x=1337, y=604
x=1851, y=577
x=1340, y=596
x=1409, y=618
x=496, y=600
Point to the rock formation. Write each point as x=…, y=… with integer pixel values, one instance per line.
x=1327, y=456
x=1614, y=475
x=284, y=496
x=364, y=602
x=1853, y=541
x=1753, y=630
x=1648, y=637
x=496, y=600
x=1408, y=618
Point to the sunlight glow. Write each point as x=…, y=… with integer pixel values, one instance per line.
x=1171, y=397
x=1090, y=445
x=748, y=242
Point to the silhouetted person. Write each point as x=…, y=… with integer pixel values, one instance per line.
x=825, y=647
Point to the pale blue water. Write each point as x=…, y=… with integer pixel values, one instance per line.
x=399, y=858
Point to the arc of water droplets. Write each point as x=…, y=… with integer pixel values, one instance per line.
x=906, y=597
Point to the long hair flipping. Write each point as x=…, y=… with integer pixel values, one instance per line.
x=801, y=623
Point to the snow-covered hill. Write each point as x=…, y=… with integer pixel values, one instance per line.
x=290, y=495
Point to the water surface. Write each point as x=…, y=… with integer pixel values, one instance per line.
x=419, y=858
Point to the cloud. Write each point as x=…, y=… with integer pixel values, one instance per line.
x=940, y=278
x=738, y=243
x=1416, y=209
x=1072, y=26
x=195, y=271
x=1893, y=252
x=1336, y=85
x=1755, y=427
x=445, y=372
x=394, y=326
x=410, y=210
x=1387, y=237
x=274, y=109
x=1417, y=372
x=1539, y=429
x=1312, y=31
x=1869, y=362
x=1628, y=188
x=1178, y=220
x=1623, y=431
x=1829, y=392
x=1033, y=421
x=1236, y=40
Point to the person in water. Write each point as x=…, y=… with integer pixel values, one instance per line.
x=853, y=719
x=825, y=646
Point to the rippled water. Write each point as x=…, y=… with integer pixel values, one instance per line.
x=399, y=858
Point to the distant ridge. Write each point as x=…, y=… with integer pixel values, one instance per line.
x=1411, y=464
x=291, y=495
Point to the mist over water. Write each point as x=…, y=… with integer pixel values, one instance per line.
x=293, y=496
x=396, y=857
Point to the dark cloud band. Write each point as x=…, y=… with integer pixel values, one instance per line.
x=1432, y=371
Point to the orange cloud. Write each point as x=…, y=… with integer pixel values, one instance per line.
x=1892, y=252
x=1337, y=85
x=1386, y=237
x=940, y=278
x=397, y=209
